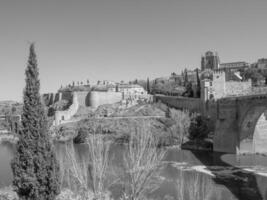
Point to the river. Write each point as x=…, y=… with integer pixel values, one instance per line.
x=186, y=175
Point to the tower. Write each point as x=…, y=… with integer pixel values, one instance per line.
x=210, y=61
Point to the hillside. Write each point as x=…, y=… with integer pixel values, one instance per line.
x=121, y=122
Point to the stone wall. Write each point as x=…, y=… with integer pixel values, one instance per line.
x=259, y=90
x=61, y=116
x=97, y=98
x=183, y=103
x=234, y=88
x=50, y=98
x=83, y=98
x=218, y=85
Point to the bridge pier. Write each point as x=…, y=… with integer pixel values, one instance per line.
x=226, y=138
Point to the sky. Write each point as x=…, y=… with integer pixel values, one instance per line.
x=117, y=40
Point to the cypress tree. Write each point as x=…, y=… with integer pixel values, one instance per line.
x=35, y=168
x=185, y=78
x=198, y=84
x=148, y=86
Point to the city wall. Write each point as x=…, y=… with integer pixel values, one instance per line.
x=234, y=88
x=97, y=98
x=61, y=116
x=83, y=98
x=258, y=90
x=50, y=98
x=183, y=103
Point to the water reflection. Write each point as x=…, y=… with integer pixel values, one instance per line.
x=242, y=183
x=225, y=176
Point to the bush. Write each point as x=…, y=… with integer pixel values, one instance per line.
x=199, y=128
x=82, y=134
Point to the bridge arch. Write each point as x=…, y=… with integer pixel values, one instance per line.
x=252, y=138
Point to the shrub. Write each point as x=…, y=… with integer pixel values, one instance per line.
x=199, y=128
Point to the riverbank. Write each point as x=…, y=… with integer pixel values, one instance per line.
x=9, y=138
x=7, y=193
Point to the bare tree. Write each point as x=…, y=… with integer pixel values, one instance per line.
x=182, y=123
x=99, y=162
x=89, y=179
x=142, y=160
x=195, y=186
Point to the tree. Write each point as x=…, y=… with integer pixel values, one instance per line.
x=35, y=168
x=148, y=86
x=185, y=78
x=253, y=74
x=198, y=84
x=93, y=178
x=142, y=160
x=181, y=126
x=199, y=128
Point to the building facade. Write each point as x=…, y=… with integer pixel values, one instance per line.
x=262, y=63
x=219, y=87
x=234, y=66
x=210, y=61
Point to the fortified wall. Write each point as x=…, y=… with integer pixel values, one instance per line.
x=220, y=88
x=61, y=116
x=83, y=98
x=97, y=98
x=234, y=88
x=50, y=98
x=182, y=103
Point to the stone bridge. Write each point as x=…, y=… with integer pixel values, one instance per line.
x=234, y=119
x=236, y=122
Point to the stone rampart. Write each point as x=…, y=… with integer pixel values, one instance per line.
x=259, y=90
x=83, y=98
x=51, y=98
x=183, y=103
x=234, y=88
x=61, y=116
x=97, y=98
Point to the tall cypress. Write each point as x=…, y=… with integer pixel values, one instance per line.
x=185, y=78
x=148, y=86
x=35, y=168
x=198, y=83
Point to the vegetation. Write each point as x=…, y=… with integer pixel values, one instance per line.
x=168, y=130
x=142, y=161
x=148, y=86
x=181, y=128
x=90, y=179
x=167, y=87
x=199, y=128
x=195, y=186
x=188, y=90
x=254, y=74
x=35, y=169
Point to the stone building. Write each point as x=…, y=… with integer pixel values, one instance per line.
x=131, y=90
x=210, y=61
x=262, y=63
x=219, y=87
x=234, y=66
